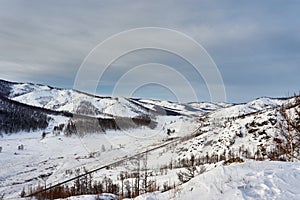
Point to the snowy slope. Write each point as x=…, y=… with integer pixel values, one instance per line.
x=247, y=108
x=252, y=132
x=249, y=180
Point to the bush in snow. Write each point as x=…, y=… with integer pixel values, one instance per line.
x=103, y=148
x=44, y=135
x=233, y=160
x=21, y=147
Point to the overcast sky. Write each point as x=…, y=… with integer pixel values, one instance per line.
x=255, y=44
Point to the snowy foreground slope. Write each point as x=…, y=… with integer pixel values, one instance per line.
x=249, y=180
x=192, y=138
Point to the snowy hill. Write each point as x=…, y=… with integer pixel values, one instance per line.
x=248, y=108
x=74, y=101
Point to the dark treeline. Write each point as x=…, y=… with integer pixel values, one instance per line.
x=5, y=88
x=81, y=125
x=15, y=117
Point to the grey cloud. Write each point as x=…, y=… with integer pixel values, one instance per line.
x=255, y=44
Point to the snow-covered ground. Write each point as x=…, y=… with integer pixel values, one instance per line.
x=249, y=180
x=54, y=155
x=103, y=196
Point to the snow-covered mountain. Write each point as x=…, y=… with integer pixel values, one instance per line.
x=79, y=102
x=74, y=101
x=174, y=138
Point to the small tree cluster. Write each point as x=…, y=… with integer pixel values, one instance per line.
x=21, y=147
x=190, y=171
x=81, y=125
x=288, y=142
x=81, y=186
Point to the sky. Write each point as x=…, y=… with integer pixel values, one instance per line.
x=255, y=46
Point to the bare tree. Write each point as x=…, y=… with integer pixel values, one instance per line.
x=289, y=127
x=44, y=134
x=137, y=192
x=128, y=188
x=189, y=173
x=122, y=178
x=146, y=173
x=103, y=148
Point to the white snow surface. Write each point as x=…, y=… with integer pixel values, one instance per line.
x=103, y=196
x=249, y=180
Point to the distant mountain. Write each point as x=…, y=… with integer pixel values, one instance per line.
x=82, y=103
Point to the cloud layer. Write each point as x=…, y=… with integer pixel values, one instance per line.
x=256, y=45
